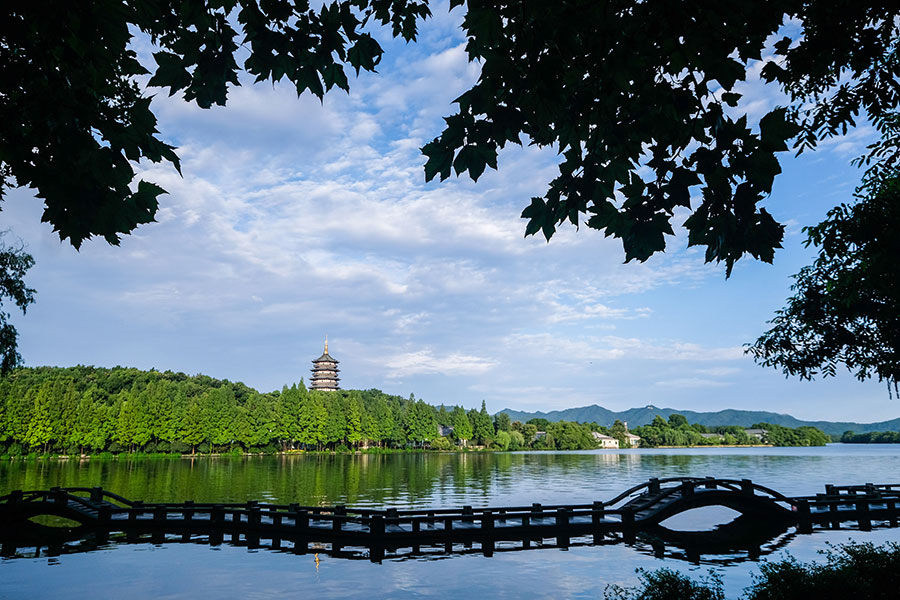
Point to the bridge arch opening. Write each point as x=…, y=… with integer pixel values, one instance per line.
x=704, y=518
x=54, y=521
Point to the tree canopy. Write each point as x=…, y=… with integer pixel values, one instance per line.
x=640, y=99
x=14, y=263
x=846, y=308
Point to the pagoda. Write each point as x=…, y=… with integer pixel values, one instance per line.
x=325, y=372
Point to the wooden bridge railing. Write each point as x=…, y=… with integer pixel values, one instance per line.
x=623, y=515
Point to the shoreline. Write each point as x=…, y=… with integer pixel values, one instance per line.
x=175, y=455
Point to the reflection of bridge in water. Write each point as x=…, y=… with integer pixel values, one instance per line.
x=635, y=516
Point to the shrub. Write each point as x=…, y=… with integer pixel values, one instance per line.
x=850, y=571
x=440, y=443
x=666, y=584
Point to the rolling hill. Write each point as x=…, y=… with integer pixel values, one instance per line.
x=745, y=418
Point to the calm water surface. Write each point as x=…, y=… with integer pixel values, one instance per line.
x=420, y=480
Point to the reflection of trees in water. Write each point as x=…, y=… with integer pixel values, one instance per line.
x=402, y=480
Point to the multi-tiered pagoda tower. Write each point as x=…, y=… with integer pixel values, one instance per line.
x=325, y=372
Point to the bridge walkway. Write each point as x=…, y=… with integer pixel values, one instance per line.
x=641, y=507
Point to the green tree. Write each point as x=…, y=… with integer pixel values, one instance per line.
x=353, y=431
x=676, y=420
x=483, y=430
x=311, y=420
x=502, y=422
x=846, y=304
x=40, y=429
x=462, y=427
x=289, y=408
x=222, y=415
x=618, y=431
x=261, y=418
x=194, y=427
x=335, y=425
x=14, y=263
x=75, y=61
x=85, y=421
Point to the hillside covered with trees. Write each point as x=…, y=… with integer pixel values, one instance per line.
x=80, y=410
x=676, y=431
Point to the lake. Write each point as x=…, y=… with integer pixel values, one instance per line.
x=196, y=570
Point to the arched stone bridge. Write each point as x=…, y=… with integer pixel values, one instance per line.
x=640, y=508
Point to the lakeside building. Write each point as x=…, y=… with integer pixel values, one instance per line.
x=605, y=441
x=633, y=440
x=759, y=434
x=325, y=372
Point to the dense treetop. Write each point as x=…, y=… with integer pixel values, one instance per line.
x=89, y=409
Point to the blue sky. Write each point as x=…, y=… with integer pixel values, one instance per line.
x=295, y=219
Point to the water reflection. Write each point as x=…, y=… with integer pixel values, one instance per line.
x=437, y=480
x=739, y=541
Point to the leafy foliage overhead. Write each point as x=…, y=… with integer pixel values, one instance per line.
x=640, y=100
x=75, y=120
x=14, y=263
x=846, y=306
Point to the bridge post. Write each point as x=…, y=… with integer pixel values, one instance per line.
x=804, y=515
x=687, y=488
x=217, y=516
x=653, y=488
x=526, y=524
x=415, y=526
x=59, y=496
x=892, y=512
x=15, y=496
x=829, y=489
x=376, y=525
x=862, y=513
x=487, y=532
x=376, y=533
x=747, y=487
x=448, y=529
x=562, y=526
x=159, y=520
x=596, y=516
x=627, y=525
x=254, y=518
x=833, y=513
x=709, y=483
x=301, y=521
x=96, y=494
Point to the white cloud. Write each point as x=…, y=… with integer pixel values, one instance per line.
x=425, y=362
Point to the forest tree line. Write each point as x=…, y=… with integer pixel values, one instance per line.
x=873, y=437
x=676, y=431
x=87, y=410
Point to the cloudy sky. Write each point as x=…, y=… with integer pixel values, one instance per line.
x=297, y=219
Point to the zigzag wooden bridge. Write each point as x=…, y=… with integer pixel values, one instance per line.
x=641, y=508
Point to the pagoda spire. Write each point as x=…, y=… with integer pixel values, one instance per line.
x=326, y=343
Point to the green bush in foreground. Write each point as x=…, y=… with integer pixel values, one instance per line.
x=666, y=584
x=858, y=571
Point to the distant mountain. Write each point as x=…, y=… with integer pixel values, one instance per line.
x=744, y=418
